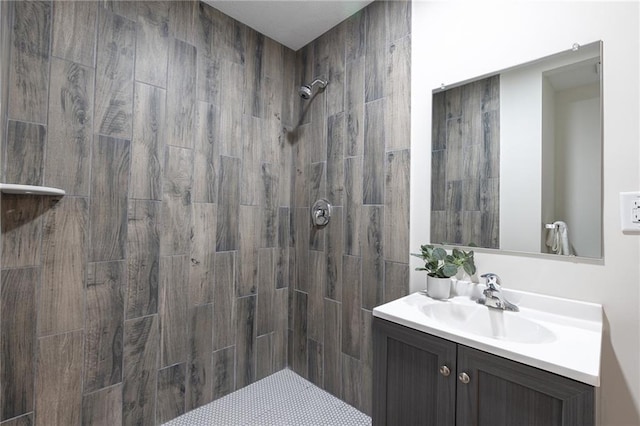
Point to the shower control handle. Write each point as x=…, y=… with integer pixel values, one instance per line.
x=321, y=213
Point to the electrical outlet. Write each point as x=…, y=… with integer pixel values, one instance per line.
x=630, y=212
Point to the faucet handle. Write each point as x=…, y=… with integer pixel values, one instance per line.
x=492, y=280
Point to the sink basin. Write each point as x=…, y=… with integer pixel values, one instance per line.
x=486, y=322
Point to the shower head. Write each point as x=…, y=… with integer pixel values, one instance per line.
x=306, y=90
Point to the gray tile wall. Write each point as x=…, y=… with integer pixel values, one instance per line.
x=160, y=281
x=465, y=172
x=351, y=144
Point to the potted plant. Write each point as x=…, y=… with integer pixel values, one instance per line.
x=441, y=266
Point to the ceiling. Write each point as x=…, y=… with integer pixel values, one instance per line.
x=293, y=23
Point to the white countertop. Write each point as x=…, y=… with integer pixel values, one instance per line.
x=577, y=327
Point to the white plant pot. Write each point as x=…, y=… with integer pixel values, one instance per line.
x=438, y=288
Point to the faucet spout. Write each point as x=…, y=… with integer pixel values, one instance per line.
x=492, y=296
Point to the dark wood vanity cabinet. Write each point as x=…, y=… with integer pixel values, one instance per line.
x=421, y=379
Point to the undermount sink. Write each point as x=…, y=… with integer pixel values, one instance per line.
x=488, y=322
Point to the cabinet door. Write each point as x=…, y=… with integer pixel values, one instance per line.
x=501, y=392
x=408, y=385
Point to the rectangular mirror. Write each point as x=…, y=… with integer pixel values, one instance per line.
x=517, y=157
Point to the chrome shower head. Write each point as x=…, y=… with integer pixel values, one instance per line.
x=305, y=91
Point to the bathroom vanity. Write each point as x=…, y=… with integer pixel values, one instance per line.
x=456, y=362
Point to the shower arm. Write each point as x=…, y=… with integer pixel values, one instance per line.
x=322, y=83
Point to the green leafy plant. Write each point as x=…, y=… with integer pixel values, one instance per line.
x=438, y=263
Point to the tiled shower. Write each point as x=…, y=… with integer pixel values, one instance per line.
x=181, y=264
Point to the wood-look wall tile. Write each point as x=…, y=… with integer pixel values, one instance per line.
x=438, y=121
x=18, y=333
x=25, y=420
x=245, y=341
x=24, y=153
x=282, y=254
x=373, y=156
x=254, y=84
x=270, y=175
x=223, y=372
x=352, y=205
x=332, y=343
x=73, y=21
x=355, y=36
x=250, y=220
x=318, y=190
x=280, y=334
x=176, y=204
x=491, y=129
x=227, y=231
x=315, y=301
x=354, y=107
x=59, y=379
x=181, y=19
x=114, y=75
x=21, y=230
x=334, y=250
x=140, y=361
x=471, y=194
x=109, y=189
x=438, y=226
x=373, y=253
x=288, y=88
x=143, y=258
x=200, y=365
x=336, y=137
x=453, y=196
x=266, y=291
x=64, y=249
x=206, y=154
x=397, y=206
x=125, y=8
x=203, y=252
x=299, y=326
x=172, y=307
x=472, y=228
x=264, y=355
x=285, y=161
x=152, y=42
x=250, y=177
x=231, y=117
x=7, y=10
x=230, y=37
x=106, y=283
x=171, y=393
x=301, y=224
x=315, y=363
x=438, y=179
x=181, y=96
x=396, y=280
x=300, y=173
x=398, y=106
x=29, y=64
x=224, y=300
x=398, y=19
x=352, y=381
x=351, y=305
x=209, y=82
x=329, y=60
x=376, y=49
x=148, y=144
x=304, y=74
x=103, y=408
x=70, y=129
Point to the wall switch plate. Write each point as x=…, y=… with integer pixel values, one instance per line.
x=630, y=212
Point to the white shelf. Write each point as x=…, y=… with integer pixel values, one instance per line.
x=10, y=188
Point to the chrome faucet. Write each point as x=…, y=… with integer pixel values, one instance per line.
x=492, y=295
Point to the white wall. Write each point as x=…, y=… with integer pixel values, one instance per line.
x=455, y=41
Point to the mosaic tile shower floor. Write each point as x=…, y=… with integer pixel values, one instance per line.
x=282, y=399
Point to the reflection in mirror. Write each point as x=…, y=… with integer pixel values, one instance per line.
x=517, y=158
